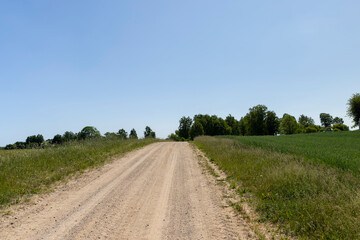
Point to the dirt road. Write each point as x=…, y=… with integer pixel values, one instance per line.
x=158, y=192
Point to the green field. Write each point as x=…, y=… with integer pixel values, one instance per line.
x=308, y=185
x=336, y=149
x=27, y=172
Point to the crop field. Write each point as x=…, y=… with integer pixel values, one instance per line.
x=308, y=185
x=26, y=172
x=335, y=149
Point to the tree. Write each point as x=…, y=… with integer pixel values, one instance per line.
x=184, y=127
x=337, y=120
x=69, y=136
x=133, y=134
x=326, y=120
x=256, y=120
x=10, y=147
x=206, y=122
x=20, y=145
x=88, y=133
x=306, y=121
x=219, y=126
x=242, y=126
x=272, y=123
x=35, y=140
x=110, y=135
x=234, y=124
x=196, y=130
x=57, y=139
x=353, y=110
x=122, y=134
x=149, y=133
x=288, y=124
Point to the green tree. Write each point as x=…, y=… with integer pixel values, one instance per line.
x=10, y=147
x=205, y=121
x=272, y=123
x=110, y=135
x=337, y=120
x=219, y=126
x=133, y=134
x=196, y=130
x=234, y=124
x=122, y=133
x=326, y=120
x=57, y=139
x=35, y=140
x=149, y=133
x=184, y=127
x=306, y=121
x=256, y=120
x=353, y=110
x=88, y=133
x=20, y=145
x=69, y=136
x=288, y=124
x=242, y=126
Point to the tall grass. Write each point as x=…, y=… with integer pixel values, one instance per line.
x=26, y=172
x=335, y=149
x=307, y=199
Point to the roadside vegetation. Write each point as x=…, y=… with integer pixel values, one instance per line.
x=31, y=166
x=307, y=184
x=30, y=171
x=88, y=132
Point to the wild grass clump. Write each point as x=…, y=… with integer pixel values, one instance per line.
x=26, y=172
x=307, y=199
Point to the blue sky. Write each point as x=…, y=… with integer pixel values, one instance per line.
x=127, y=64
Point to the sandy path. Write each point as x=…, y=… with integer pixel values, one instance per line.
x=157, y=192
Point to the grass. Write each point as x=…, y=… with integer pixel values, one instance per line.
x=304, y=198
x=335, y=149
x=27, y=172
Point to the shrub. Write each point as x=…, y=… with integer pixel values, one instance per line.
x=340, y=127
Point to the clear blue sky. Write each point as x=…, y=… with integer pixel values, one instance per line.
x=127, y=64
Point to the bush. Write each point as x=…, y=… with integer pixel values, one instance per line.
x=340, y=127
x=174, y=137
x=10, y=147
x=312, y=129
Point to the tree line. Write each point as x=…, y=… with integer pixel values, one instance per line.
x=88, y=132
x=261, y=121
